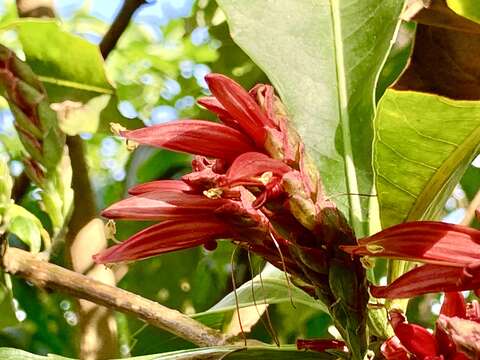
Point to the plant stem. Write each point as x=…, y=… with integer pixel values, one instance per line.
x=119, y=25
x=43, y=274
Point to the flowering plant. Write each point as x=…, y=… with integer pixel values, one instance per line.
x=324, y=205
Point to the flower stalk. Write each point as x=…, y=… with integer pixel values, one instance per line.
x=46, y=159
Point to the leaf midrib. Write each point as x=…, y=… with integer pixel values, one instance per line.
x=75, y=85
x=356, y=213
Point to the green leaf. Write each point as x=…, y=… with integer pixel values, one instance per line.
x=16, y=354
x=225, y=352
x=423, y=145
x=323, y=57
x=270, y=288
x=467, y=8
x=45, y=45
x=25, y=225
x=71, y=68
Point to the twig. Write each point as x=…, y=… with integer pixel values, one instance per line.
x=43, y=274
x=119, y=25
x=471, y=209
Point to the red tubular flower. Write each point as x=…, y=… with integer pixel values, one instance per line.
x=451, y=252
x=195, y=137
x=392, y=349
x=427, y=279
x=164, y=237
x=160, y=185
x=414, y=338
x=163, y=205
x=419, y=342
x=426, y=241
x=241, y=106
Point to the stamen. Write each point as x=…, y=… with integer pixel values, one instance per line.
x=266, y=177
x=213, y=193
x=117, y=129
x=367, y=262
x=111, y=230
x=375, y=249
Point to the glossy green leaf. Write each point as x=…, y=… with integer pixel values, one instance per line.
x=325, y=71
x=423, y=145
x=467, y=8
x=71, y=68
x=269, y=288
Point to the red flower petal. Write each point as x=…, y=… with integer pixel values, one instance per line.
x=473, y=311
x=240, y=106
x=163, y=237
x=265, y=97
x=163, y=205
x=194, y=137
x=212, y=104
x=426, y=279
x=248, y=166
x=160, y=185
x=392, y=349
x=454, y=305
x=426, y=241
x=414, y=338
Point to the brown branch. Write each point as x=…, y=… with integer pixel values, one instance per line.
x=43, y=274
x=119, y=25
x=84, y=198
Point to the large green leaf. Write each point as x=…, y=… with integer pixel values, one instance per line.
x=71, y=68
x=225, y=352
x=423, y=145
x=323, y=57
x=270, y=287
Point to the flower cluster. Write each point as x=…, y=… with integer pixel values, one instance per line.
x=35, y=122
x=251, y=183
x=414, y=341
x=451, y=254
